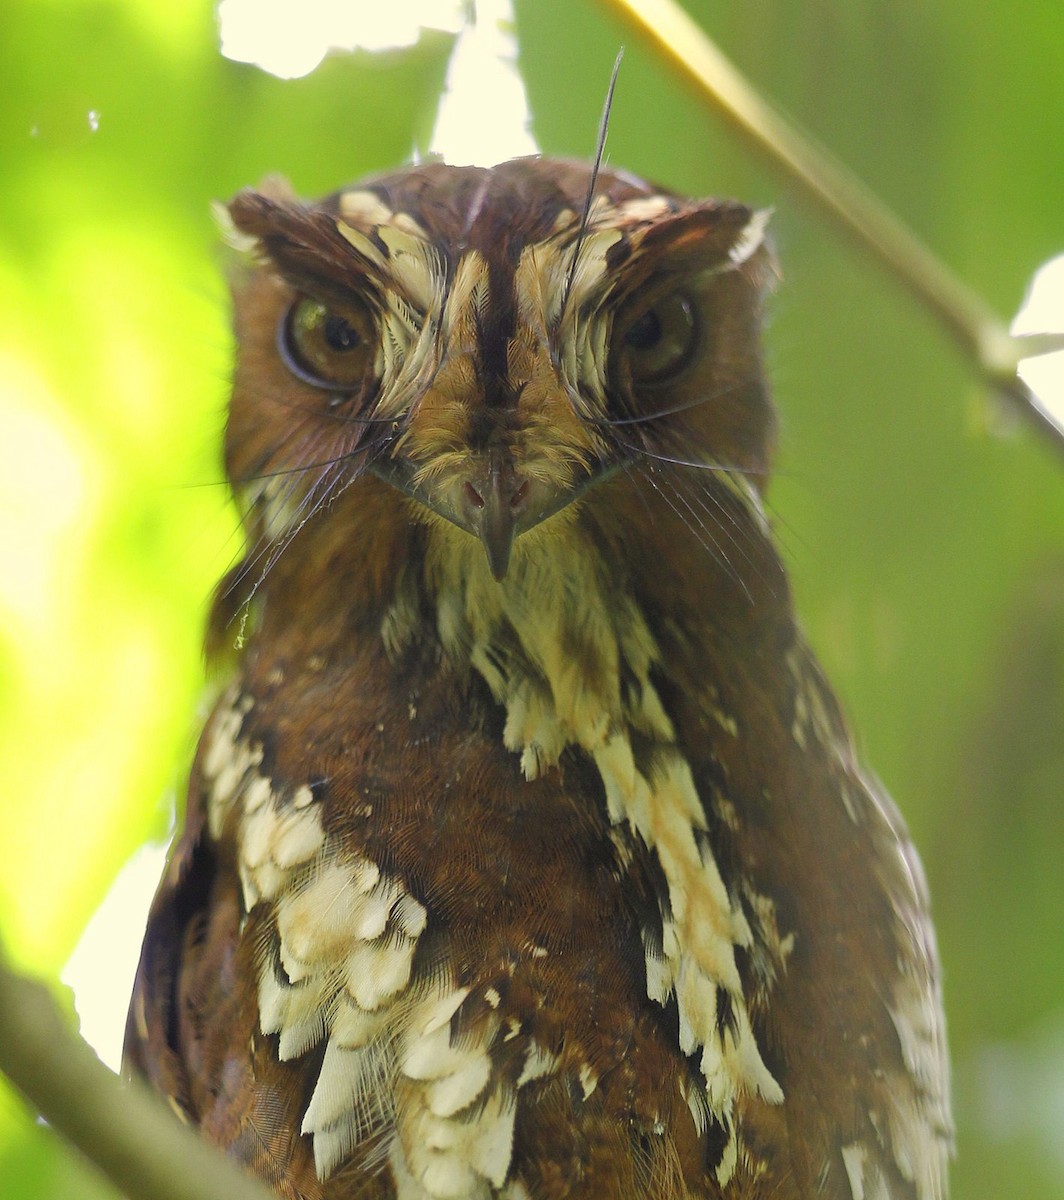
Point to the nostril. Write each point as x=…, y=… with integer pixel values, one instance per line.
x=473, y=496
x=520, y=495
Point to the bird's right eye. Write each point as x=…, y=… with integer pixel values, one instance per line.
x=326, y=347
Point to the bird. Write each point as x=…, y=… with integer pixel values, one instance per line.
x=527, y=854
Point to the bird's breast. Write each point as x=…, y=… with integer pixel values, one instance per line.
x=483, y=889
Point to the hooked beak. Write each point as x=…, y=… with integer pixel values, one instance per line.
x=494, y=501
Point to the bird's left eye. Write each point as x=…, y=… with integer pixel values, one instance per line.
x=661, y=341
x=327, y=348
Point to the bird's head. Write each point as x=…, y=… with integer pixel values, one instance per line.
x=493, y=346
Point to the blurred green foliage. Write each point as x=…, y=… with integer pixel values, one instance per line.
x=923, y=529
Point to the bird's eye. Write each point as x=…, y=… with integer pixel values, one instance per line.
x=661, y=341
x=328, y=348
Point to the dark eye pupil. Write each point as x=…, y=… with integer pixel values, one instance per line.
x=645, y=333
x=339, y=335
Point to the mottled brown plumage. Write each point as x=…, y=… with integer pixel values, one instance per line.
x=527, y=855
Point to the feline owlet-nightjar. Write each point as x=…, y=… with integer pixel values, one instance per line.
x=526, y=854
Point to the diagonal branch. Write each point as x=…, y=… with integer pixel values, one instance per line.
x=122, y=1128
x=836, y=191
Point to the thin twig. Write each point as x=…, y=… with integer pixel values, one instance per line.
x=122, y=1128
x=982, y=336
